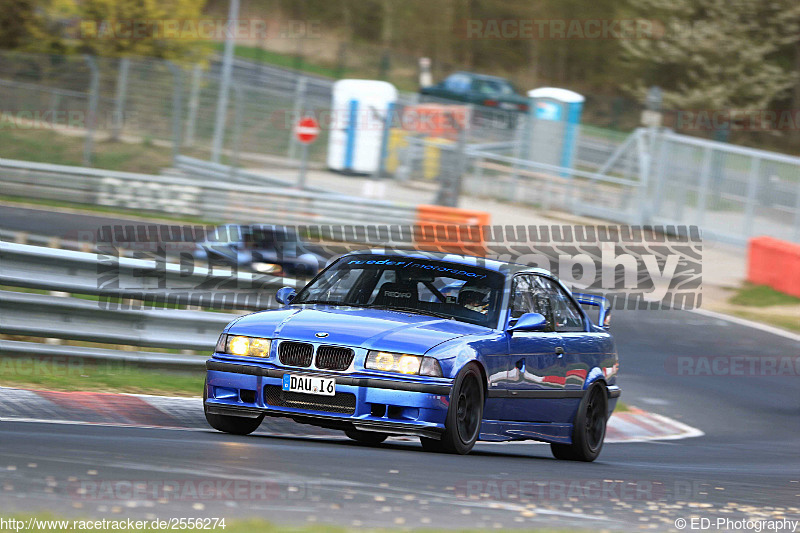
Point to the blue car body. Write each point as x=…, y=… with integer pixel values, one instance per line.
x=534, y=381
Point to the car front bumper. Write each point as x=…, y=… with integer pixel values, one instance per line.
x=362, y=401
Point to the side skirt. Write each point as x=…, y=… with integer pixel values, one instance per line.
x=497, y=431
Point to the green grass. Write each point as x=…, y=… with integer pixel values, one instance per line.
x=761, y=296
x=47, y=146
x=111, y=376
x=771, y=319
x=292, y=61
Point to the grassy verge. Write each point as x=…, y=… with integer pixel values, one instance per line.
x=765, y=305
x=79, y=375
x=253, y=53
x=47, y=146
x=761, y=296
x=787, y=322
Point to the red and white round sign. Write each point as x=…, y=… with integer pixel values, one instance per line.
x=306, y=130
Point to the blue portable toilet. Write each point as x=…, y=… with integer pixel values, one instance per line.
x=554, y=117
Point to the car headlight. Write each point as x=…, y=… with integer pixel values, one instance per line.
x=243, y=346
x=403, y=363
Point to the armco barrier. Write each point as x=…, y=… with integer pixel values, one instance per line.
x=450, y=229
x=774, y=263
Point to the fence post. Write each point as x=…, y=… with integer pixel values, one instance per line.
x=194, y=104
x=659, y=165
x=177, y=103
x=91, y=112
x=521, y=137
x=752, y=186
x=237, y=130
x=702, y=192
x=299, y=98
x=222, y=96
x=119, y=102
x=646, y=140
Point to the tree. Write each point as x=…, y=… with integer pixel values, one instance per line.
x=715, y=54
x=16, y=18
x=166, y=29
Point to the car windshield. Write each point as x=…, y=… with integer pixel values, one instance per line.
x=426, y=286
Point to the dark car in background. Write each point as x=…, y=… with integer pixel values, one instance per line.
x=268, y=249
x=495, y=98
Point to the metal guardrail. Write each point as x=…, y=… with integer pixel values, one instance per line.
x=170, y=195
x=40, y=315
x=111, y=277
x=35, y=349
x=123, y=310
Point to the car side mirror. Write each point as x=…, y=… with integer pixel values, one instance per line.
x=529, y=322
x=285, y=295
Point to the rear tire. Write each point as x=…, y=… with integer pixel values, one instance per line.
x=235, y=425
x=463, y=421
x=370, y=438
x=588, y=429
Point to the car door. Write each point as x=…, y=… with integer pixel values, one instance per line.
x=583, y=349
x=536, y=370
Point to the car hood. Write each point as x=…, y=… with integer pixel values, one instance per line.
x=374, y=329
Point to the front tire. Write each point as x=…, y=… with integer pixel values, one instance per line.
x=463, y=421
x=588, y=429
x=235, y=425
x=370, y=438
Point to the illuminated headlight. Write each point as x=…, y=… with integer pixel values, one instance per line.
x=265, y=268
x=403, y=363
x=243, y=346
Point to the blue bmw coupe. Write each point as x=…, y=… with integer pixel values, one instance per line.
x=452, y=349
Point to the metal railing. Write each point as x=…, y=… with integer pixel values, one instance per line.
x=120, y=302
x=212, y=200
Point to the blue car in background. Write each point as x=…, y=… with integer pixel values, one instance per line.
x=452, y=349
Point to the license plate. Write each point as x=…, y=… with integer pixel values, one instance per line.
x=506, y=105
x=309, y=384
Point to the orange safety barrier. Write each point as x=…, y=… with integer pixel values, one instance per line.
x=774, y=263
x=450, y=229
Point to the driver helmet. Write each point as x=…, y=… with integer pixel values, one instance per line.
x=475, y=298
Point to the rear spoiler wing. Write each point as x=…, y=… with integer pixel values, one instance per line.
x=597, y=301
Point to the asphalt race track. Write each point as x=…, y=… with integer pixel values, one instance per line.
x=746, y=466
